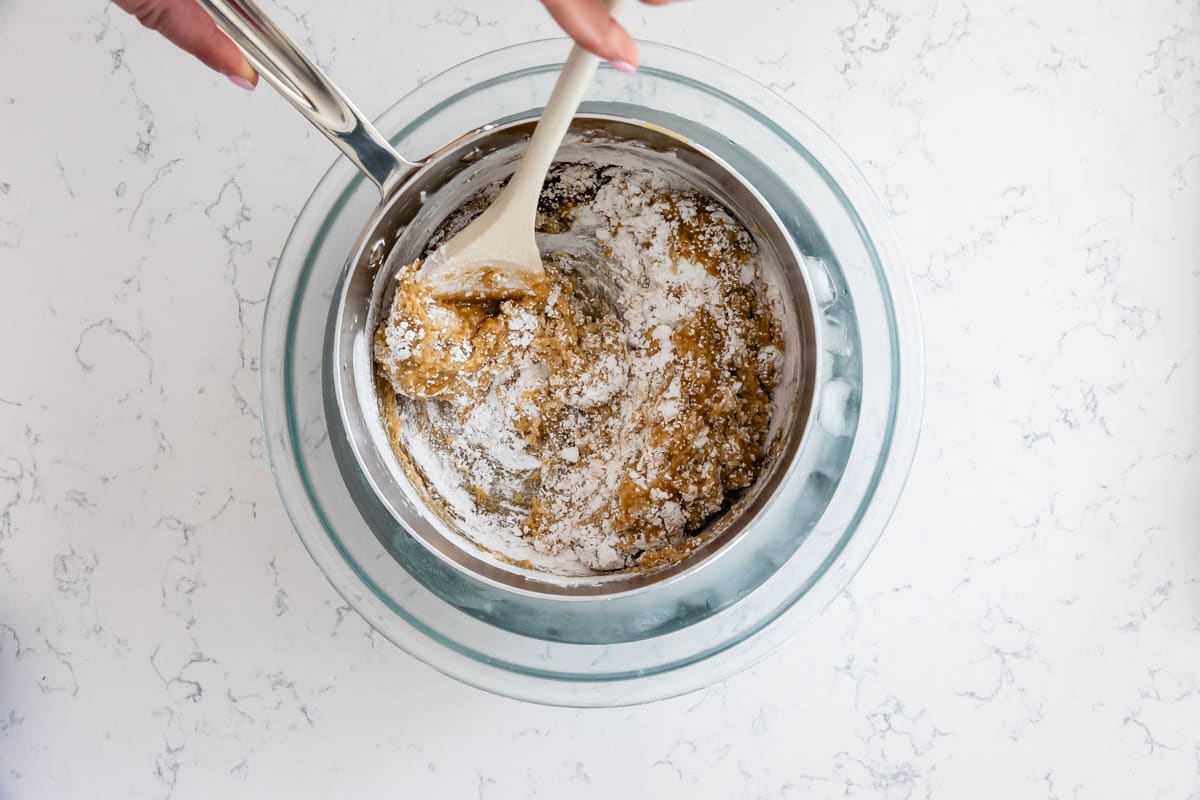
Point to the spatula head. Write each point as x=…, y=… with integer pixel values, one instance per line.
x=493, y=258
x=456, y=280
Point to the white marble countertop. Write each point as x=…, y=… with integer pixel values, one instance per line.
x=1029, y=626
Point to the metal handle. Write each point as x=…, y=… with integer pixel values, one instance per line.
x=278, y=59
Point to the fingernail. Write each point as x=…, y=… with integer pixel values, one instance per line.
x=240, y=82
x=623, y=66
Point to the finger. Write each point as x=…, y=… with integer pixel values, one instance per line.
x=593, y=28
x=189, y=27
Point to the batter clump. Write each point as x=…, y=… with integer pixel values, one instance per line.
x=600, y=422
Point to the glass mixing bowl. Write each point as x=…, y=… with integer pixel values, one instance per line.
x=692, y=629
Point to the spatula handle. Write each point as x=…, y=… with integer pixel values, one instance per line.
x=568, y=93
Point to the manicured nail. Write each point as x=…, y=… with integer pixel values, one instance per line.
x=623, y=66
x=240, y=82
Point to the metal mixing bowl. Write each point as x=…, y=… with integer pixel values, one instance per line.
x=416, y=209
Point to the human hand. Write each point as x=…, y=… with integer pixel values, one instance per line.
x=190, y=27
x=593, y=28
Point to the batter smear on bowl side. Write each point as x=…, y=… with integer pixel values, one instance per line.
x=599, y=423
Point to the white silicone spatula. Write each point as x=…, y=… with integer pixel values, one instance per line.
x=496, y=256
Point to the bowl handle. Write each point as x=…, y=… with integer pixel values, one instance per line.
x=278, y=59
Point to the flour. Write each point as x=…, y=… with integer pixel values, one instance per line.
x=600, y=424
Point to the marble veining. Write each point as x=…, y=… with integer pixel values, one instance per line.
x=1028, y=627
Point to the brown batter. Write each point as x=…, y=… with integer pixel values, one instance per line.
x=644, y=422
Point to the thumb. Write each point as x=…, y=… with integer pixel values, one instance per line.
x=188, y=26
